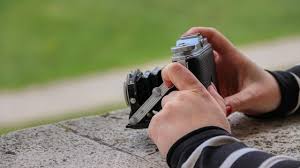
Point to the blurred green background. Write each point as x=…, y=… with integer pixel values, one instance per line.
x=43, y=40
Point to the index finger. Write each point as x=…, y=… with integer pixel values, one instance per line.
x=217, y=39
x=181, y=77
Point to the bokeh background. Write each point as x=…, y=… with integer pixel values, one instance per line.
x=52, y=39
x=49, y=40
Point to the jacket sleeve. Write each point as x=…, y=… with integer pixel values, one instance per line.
x=289, y=82
x=212, y=147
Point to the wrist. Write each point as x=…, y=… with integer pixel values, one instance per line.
x=289, y=92
x=266, y=95
x=275, y=92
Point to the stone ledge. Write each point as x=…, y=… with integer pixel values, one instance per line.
x=103, y=141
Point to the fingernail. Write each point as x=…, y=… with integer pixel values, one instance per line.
x=214, y=86
x=228, y=110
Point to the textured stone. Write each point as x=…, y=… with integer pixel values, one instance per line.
x=277, y=136
x=52, y=146
x=111, y=130
x=103, y=141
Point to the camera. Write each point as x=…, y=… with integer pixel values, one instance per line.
x=143, y=91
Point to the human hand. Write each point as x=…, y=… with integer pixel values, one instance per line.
x=188, y=109
x=245, y=86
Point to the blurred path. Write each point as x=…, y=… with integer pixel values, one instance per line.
x=103, y=89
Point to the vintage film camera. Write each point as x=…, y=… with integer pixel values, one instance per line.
x=143, y=91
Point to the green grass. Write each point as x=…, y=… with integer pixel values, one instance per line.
x=43, y=40
x=100, y=111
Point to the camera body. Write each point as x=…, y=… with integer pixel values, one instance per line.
x=144, y=91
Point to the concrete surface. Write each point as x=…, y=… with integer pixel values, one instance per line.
x=101, y=89
x=103, y=141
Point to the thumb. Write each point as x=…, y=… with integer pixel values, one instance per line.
x=239, y=101
x=181, y=77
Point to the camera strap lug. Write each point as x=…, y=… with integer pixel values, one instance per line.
x=157, y=94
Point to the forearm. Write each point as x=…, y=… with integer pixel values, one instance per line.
x=214, y=147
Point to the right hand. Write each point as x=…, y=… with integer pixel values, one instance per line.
x=245, y=86
x=189, y=108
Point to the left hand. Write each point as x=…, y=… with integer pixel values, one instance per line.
x=183, y=111
x=245, y=86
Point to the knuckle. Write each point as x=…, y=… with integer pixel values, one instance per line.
x=169, y=106
x=182, y=96
x=163, y=72
x=204, y=93
x=155, y=119
x=236, y=101
x=164, y=100
x=193, y=28
x=213, y=30
x=193, y=81
x=168, y=97
x=153, y=123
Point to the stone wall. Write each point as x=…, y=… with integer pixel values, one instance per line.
x=103, y=141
